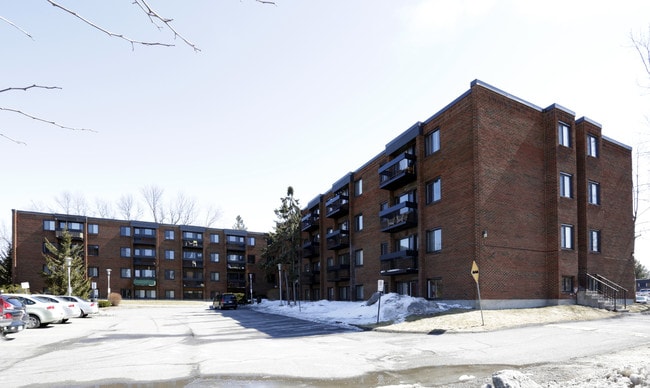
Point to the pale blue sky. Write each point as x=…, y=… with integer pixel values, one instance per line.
x=295, y=94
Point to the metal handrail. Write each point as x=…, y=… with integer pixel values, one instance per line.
x=605, y=287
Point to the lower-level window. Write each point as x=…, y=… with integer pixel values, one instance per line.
x=434, y=288
x=145, y=294
x=567, y=283
x=358, y=292
x=169, y=294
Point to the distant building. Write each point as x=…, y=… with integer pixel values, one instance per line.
x=146, y=260
x=540, y=200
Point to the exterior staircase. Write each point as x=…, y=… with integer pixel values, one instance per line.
x=602, y=293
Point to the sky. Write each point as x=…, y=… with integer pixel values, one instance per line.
x=293, y=94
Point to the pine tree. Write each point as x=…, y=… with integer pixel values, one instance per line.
x=5, y=265
x=56, y=276
x=239, y=224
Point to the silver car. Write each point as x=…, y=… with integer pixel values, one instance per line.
x=41, y=312
x=71, y=309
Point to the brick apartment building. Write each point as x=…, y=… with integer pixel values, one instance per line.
x=146, y=260
x=540, y=200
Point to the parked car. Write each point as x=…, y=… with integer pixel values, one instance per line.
x=86, y=306
x=225, y=301
x=41, y=311
x=640, y=298
x=4, y=321
x=71, y=309
x=15, y=310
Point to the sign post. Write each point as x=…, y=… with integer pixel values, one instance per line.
x=380, y=290
x=478, y=289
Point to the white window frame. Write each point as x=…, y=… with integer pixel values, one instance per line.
x=592, y=146
x=566, y=185
x=564, y=134
x=594, y=241
x=594, y=193
x=434, y=240
x=566, y=236
x=432, y=142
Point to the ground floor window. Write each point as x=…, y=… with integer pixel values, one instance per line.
x=169, y=294
x=567, y=284
x=358, y=292
x=316, y=294
x=145, y=294
x=330, y=293
x=195, y=295
x=407, y=288
x=434, y=288
x=344, y=293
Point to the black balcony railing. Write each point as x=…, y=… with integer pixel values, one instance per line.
x=338, y=275
x=311, y=248
x=337, y=206
x=192, y=263
x=397, y=172
x=144, y=240
x=399, y=217
x=193, y=283
x=399, y=262
x=309, y=222
x=193, y=243
x=141, y=260
x=74, y=234
x=338, y=239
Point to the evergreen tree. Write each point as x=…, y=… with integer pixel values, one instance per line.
x=6, y=260
x=284, y=243
x=56, y=276
x=640, y=270
x=239, y=224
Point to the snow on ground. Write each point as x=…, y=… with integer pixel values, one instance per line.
x=392, y=308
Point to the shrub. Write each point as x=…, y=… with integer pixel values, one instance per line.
x=114, y=298
x=104, y=303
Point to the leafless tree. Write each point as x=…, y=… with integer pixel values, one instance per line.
x=152, y=195
x=64, y=202
x=104, y=208
x=212, y=215
x=182, y=210
x=641, y=43
x=128, y=208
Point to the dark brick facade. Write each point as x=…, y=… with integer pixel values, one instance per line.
x=147, y=260
x=499, y=164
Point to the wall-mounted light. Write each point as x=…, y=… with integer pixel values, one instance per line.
x=485, y=233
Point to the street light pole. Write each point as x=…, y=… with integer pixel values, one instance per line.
x=108, y=291
x=280, y=282
x=68, y=263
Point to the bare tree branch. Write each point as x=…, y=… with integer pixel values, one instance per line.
x=148, y=11
x=153, y=197
x=29, y=87
x=12, y=140
x=16, y=27
x=642, y=46
x=45, y=121
x=266, y=2
x=153, y=16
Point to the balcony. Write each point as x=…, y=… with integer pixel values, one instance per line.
x=193, y=283
x=337, y=206
x=309, y=222
x=340, y=274
x=144, y=240
x=236, y=284
x=338, y=239
x=144, y=282
x=309, y=278
x=236, y=245
x=144, y=261
x=75, y=235
x=397, y=172
x=311, y=248
x=399, y=217
x=192, y=243
x=189, y=263
x=399, y=262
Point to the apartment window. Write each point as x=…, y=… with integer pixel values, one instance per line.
x=170, y=274
x=432, y=142
x=594, y=193
x=214, y=238
x=125, y=252
x=144, y=232
x=358, y=187
x=592, y=146
x=251, y=241
x=46, y=269
x=125, y=272
x=214, y=276
x=594, y=240
x=344, y=293
x=358, y=222
x=198, y=236
x=169, y=294
x=71, y=226
x=567, y=284
x=93, y=250
x=564, y=134
x=566, y=185
x=169, y=254
x=566, y=236
x=383, y=206
x=144, y=252
x=434, y=240
x=93, y=272
x=434, y=288
x=49, y=225
x=358, y=257
x=125, y=231
x=330, y=293
x=169, y=235
x=383, y=248
x=330, y=262
x=250, y=259
x=434, y=192
x=93, y=229
x=358, y=292
x=214, y=257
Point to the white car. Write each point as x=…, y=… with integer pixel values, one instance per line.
x=640, y=298
x=86, y=306
x=41, y=312
x=72, y=309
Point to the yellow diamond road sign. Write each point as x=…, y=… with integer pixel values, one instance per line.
x=475, y=271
